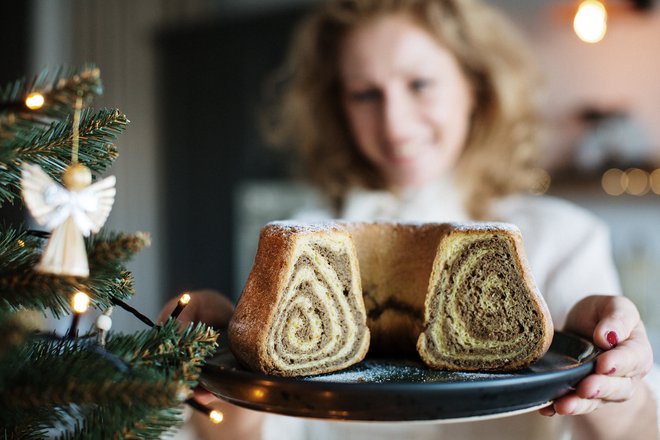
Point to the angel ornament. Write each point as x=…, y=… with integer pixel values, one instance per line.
x=70, y=212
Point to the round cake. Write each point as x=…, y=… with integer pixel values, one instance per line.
x=461, y=295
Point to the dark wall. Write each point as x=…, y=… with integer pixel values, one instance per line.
x=210, y=86
x=14, y=28
x=15, y=38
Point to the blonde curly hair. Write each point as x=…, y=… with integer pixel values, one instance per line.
x=501, y=149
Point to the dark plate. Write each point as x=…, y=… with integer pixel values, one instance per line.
x=404, y=390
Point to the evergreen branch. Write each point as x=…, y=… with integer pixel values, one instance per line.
x=22, y=287
x=25, y=288
x=133, y=387
x=17, y=247
x=141, y=404
x=28, y=424
x=102, y=422
x=79, y=391
x=110, y=247
x=167, y=347
x=60, y=90
x=52, y=372
x=51, y=148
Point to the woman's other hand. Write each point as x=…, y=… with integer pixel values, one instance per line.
x=615, y=326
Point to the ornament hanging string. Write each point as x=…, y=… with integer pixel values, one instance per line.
x=76, y=131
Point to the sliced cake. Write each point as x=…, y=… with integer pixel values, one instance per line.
x=301, y=311
x=483, y=310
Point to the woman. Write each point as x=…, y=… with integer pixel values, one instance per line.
x=426, y=110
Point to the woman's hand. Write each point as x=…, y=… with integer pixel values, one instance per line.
x=614, y=324
x=207, y=306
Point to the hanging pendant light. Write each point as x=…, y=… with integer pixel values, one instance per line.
x=590, y=22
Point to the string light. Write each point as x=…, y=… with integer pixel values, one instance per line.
x=590, y=22
x=213, y=414
x=183, y=302
x=35, y=100
x=216, y=416
x=79, y=303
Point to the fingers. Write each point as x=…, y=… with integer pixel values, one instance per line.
x=548, y=411
x=571, y=404
x=608, y=389
x=608, y=320
x=614, y=324
x=592, y=393
x=618, y=318
x=631, y=358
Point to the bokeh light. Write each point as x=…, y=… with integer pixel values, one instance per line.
x=614, y=182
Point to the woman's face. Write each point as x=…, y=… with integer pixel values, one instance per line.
x=406, y=99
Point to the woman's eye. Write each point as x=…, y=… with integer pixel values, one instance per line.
x=364, y=95
x=418, y=85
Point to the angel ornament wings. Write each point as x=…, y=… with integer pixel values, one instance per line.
x=71, y=211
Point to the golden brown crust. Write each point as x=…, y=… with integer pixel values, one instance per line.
x=254, y=312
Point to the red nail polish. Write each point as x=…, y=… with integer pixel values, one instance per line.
x=612, y=371
x=612, y=339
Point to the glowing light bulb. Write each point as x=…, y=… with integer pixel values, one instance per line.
x=216, y=416
x=35, y=101
x=180, y=305
x=80, y=302
x=590, y=22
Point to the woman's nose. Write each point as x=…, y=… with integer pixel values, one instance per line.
x=398, y=117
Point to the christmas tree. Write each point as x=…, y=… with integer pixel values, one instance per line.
x=91, y=383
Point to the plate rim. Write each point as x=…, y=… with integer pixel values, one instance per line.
x=531, y=382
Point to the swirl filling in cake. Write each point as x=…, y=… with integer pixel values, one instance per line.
x=482, y=311
x=319, y=319
x=318, y=323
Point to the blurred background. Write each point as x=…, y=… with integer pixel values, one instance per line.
x=194, y=171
